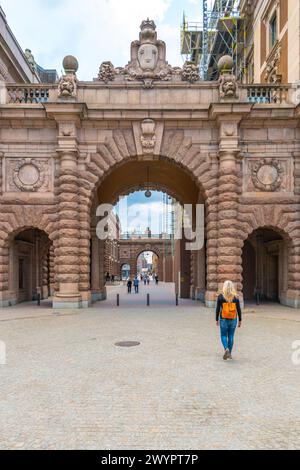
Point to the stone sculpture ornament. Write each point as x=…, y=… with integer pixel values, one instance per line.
x=148, y=138
x=28, y=175
x=227, y=86
x=267, y=175
x=67, y=86
x=190, y=72
x=148, y=61
x=107, y=72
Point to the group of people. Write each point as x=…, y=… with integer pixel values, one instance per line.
x=136, y=282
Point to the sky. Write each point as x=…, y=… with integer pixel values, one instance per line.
x=94, y=30
x=137, y=213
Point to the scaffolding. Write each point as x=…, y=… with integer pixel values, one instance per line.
x=222, y=31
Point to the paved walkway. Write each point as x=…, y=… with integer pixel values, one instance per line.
x=161, y=296
x=67, y=386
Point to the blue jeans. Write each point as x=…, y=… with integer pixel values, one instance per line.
x=228, y=328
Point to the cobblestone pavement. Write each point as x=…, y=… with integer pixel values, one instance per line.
x=67, y=386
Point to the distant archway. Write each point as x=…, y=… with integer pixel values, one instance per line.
x=148, y=263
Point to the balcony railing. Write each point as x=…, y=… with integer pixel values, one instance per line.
x=267, y=94
x=28, y=94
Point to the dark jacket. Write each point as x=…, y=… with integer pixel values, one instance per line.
x=221, y=301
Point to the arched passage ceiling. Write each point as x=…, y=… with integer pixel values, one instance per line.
x=163, y=176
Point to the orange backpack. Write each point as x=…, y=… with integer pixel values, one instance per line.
x=229, y=311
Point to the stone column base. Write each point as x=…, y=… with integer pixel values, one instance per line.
x=291, y=299
x=200, y=294
x=67, y=301
x=8, y=299
x=210, y=299
x=98, y=296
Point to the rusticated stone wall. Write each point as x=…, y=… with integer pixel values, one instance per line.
x=59, y=160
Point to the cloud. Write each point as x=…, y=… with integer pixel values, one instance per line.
x=93, y=30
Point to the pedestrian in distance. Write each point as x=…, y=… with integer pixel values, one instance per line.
x=136, y=285
x=228, y=317
x=129, y=285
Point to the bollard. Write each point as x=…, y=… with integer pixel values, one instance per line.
x=176, y=299
x=39, y=299
x=118, y=300
x=148, y=300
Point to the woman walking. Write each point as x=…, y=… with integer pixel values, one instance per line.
x=228, y=317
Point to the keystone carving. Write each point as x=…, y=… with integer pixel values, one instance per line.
x=148, y=138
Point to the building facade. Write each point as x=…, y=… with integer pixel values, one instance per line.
x=272, y=40
x=217, y=144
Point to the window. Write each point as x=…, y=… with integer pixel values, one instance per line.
x=273, y=29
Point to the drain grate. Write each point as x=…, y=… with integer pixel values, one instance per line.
x=127, y=344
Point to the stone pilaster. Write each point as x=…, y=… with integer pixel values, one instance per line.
x=229, y=238
x=45, y=276
x=53, y=288
x=95, y=269
x=1, y=172
x=67, y=261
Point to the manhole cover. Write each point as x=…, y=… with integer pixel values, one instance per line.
x=127, y=344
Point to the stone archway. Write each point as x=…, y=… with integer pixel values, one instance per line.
x=26, y=218
x=285, y=224
x=30, y=270
x=156, y=254
x=166, y=175
x=265, y=263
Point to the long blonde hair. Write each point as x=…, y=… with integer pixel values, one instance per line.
x=229, y=291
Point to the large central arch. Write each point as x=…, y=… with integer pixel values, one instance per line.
x=189, y=182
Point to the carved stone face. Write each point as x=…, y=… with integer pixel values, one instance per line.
x=148, y=56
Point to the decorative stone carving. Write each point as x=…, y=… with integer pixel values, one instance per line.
x=148, y=138
x=148, y=60
x=66, y=129
x=28, y=175
x=4, y=74
x=228, y=86
x=30, y=58
x=107, y=72
x=266, y=175
x=190, y=72
x=227, y=82
x=271, y=72
x=67, y=87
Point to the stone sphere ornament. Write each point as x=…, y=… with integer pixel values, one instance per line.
x=225, y=64
x=70, y=64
